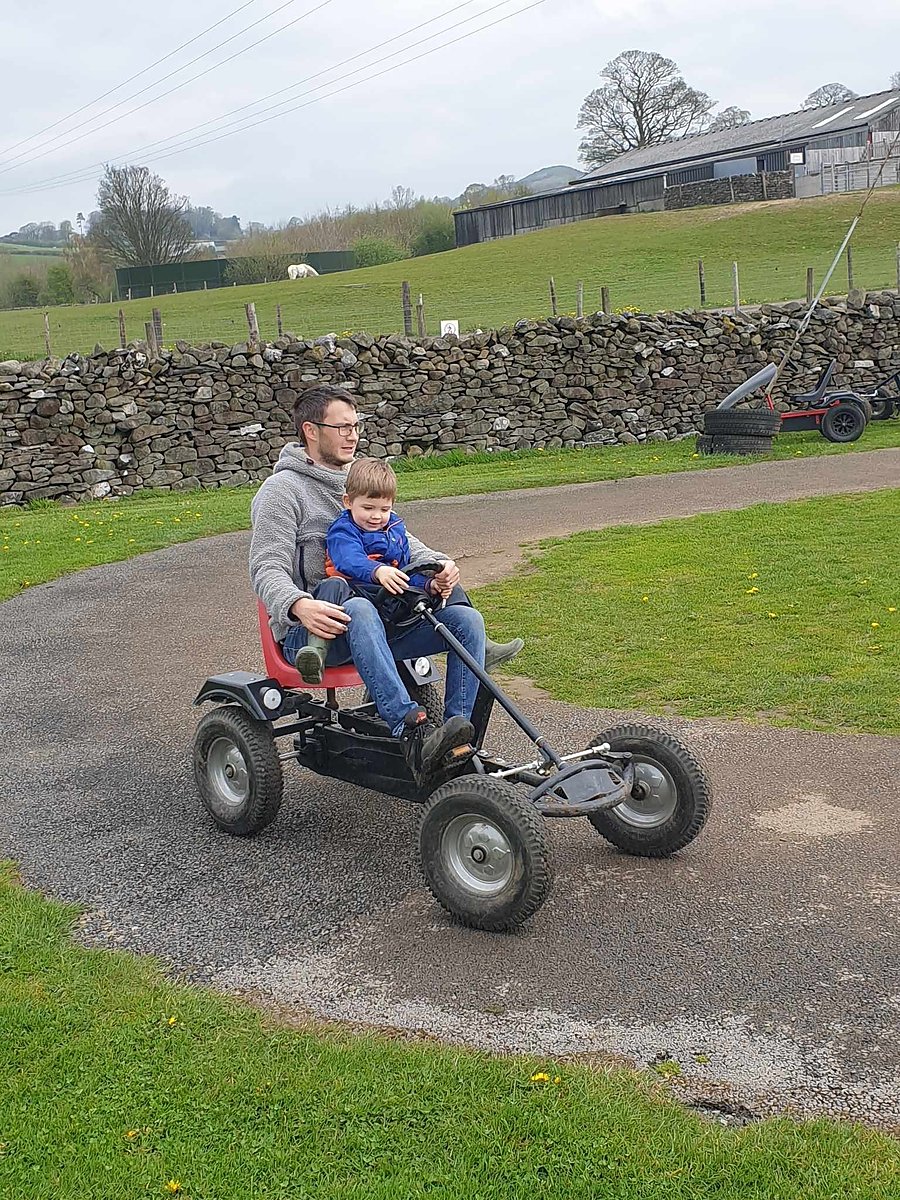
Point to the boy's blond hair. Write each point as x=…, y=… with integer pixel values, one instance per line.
x=372, y=478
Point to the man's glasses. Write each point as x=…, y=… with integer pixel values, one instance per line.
x=343, y=430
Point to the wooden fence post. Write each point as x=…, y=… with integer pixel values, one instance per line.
x=174, y=287
x=579, y=300
x=278, y=319
x=604, y=299
x=702, y=275
x=47, y=332
x=252, y=326
x=420, y=315
x=553, y=297
x=736, y=287
x=123, y=340
x=810, y=285
x=849, y=268
x=129, y=293
x=406, y=305
x=157, y=325
x=152, y=344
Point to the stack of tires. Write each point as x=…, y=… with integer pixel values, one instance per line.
x=738, y=431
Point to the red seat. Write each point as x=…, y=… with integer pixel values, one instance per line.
x=279, y=668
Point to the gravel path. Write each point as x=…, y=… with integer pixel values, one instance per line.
x=768, y=949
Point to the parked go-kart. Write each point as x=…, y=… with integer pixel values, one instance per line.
x=482, y=844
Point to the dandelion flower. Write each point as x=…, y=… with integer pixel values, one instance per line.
x=773, y=614
x=891, y=609
x=173, y=1020
x=751, y=591
x=753, y=575
x=173, y=1187
x=540, y=1077
x=131, y=1134
x=875, y=624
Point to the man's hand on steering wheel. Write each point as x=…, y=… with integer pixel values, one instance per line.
x=392, y=579
x=445, y=580
x=320, y=617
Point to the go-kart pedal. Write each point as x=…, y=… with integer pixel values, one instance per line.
x=427, y=747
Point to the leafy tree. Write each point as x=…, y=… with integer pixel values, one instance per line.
x=22, y=291
x=65, y=231
x=828, y=93
x=59, y=288
x=436, y=233
x=372, y=251
x=643, y=101
x=731, y=117
x=141, y=222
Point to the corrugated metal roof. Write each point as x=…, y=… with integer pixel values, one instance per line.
x=788, y=129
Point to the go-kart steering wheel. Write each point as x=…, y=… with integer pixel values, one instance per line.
x=399, y=608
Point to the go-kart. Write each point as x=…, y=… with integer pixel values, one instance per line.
x=839, y=415
x=482, y=843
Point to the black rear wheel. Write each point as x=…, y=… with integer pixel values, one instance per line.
x=843, y=423
x=882, y=407
x=671, y=798
x=237, y=770
x=483, y=852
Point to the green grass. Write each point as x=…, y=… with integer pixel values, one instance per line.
x=45, y=540
x=648, y=261
x=119, y=1084
x=784, y=614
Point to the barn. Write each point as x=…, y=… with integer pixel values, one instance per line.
x=839, y=147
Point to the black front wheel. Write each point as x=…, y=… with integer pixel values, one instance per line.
x=670, y=801
x=883, y=407
x=483, y=852
x=237, y=770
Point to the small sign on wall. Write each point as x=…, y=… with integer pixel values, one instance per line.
x=449, y=327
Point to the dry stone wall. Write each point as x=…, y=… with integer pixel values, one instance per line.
x=734, y=189
x=217, y=415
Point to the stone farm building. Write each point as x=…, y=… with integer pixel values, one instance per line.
x=839, y=147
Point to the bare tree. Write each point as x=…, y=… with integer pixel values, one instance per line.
x=643, y=101
x=829, y=93
x=895, y=80
x=401, y=197
x=731, y=117
x=141, y=223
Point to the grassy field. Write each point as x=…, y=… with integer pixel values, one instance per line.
x=119, y=1084
x=784, y=614
x=649, y=261
x=42, y=542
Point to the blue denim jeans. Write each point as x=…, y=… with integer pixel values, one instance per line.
x=373, y=650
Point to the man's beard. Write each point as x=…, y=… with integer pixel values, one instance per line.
x=332, y=461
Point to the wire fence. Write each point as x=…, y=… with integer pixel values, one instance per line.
x=331, y=305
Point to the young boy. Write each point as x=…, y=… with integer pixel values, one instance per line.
x=367, y=544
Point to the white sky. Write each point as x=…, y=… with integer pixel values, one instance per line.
x=504, y=101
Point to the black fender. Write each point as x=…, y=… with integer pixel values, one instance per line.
x=256, y=694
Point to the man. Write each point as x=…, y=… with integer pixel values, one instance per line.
x=291, y=514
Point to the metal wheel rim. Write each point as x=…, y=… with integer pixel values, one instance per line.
x=477, y=854
x=656, y=798
x=844, y=423
x=228, y=773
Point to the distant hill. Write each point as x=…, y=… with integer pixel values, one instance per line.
x=548, y=179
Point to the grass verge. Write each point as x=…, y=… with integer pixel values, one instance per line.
x=119, y=1083
x=40, y=543
x=787, y=614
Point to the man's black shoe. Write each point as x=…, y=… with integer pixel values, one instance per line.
x=429, y=747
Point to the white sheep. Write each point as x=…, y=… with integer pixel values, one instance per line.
x=301, y=271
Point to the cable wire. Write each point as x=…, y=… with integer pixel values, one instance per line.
x=130, y=79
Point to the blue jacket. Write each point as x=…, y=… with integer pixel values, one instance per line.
x=356, y=554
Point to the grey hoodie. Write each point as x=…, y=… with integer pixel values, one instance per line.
x=291, y=514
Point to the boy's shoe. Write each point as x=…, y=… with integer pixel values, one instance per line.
x=427, y=746
x=496, y=653
x=310, y=663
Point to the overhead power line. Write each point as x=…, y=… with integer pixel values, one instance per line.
x=78, y=174
x=130, y=79
x=153, y=99
x=198, y=143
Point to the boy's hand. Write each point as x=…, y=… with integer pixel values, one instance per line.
x=392, y=579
